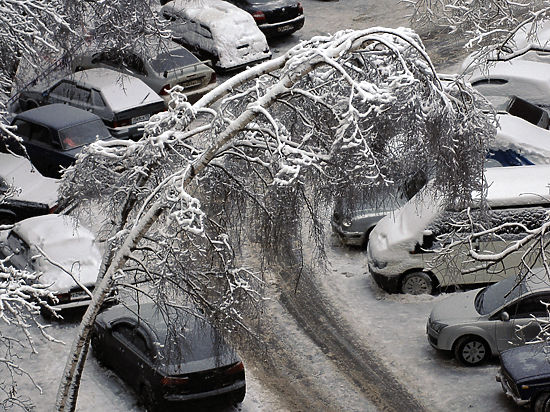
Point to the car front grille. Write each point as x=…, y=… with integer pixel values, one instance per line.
x=509, y=382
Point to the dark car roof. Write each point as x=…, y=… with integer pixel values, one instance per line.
x=527, y=362
x=190, y=346
x=57, y=116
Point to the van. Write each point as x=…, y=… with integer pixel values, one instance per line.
x=402, y=245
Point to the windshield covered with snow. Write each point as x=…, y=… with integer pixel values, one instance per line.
x=501, y=293
x=82, y=134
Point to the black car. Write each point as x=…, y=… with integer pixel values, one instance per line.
x=168, y=367
x=54, y=134
x=525, y=375
x=274, y=17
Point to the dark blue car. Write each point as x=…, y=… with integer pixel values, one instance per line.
x=54, y=134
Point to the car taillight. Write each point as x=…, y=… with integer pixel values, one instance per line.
x=63, y=297
x=164, y=90
x=238, y=367
x=212, y=78
x=259, y=16
x=174, y=381
x=120, y=123
x=53, y=209
x=300, y=9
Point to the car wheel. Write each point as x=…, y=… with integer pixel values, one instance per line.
x=97, y=349
x=238, y=395
x=417, y=283
x=471, y=350
x=147, y=398
x=542, y=403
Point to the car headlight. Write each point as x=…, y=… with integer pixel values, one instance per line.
x=437, y=327
x=346, y=222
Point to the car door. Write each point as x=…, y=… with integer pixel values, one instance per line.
x=521, y=326
x=131, y=355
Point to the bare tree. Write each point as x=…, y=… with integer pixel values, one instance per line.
x=257, y=161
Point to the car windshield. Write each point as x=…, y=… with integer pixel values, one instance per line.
x=501, y=293
x=172, y=60
x=508, y=157
x=82, y=134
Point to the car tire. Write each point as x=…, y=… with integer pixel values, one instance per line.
x=542, y=403
x=147, y=398
x=471, y=350
x=238, y=395
x=417, y=283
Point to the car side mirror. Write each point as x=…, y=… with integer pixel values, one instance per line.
x=504, y=316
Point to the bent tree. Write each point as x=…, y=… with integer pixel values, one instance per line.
x=257, y=162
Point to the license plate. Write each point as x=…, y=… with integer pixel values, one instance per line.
x=139, y=119
x=284, y=28
x=192, y=83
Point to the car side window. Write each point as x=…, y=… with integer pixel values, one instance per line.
x=82, y=95
x=123, y=331
x=63, y=89
x=110, y=58
x=40, y=134
x=141, y=344
x=23, y=128
x=134, y=63
x=133, y=337
x=97, y=99
x=531, y=305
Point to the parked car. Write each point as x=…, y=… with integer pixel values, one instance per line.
x=54, y=134
x=24, y=192
x=161, y=65
x=479, y=323
x=217, y=31
x=274, y=17
x=123, y=102
x=63, y=240
x=167, y=366
x=529, y=80
x=525, y=376
x=518, y=142
x=401, y=246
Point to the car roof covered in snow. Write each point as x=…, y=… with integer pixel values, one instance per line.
x=65, y=241
x=212, y=13
x=57, y=116
x=120, y=91
x=18, y=171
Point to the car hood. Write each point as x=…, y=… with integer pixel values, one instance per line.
x=456, y=308
x=527, y=362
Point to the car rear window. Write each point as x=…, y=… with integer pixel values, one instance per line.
x=173, y=59
x=82, y=134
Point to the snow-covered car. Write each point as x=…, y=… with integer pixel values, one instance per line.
x=54, y=134
x=401, y=246
x=524, y=375
x=123, y=102
x=479, y=323
x=161, y=65
x=217, y=31
x=167, y=366
x=274, y=17
x=529, y=80
x=53, y=245
x=24, y=192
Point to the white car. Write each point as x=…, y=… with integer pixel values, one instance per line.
x=43, y=243
x=218, y=31
x=529, y=80
x=24, y=192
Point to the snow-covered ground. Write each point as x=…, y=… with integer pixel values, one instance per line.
x=395, y=327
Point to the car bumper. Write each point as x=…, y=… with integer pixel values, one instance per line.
x=282, y=28
x=388, y=283
x=205, y=395
x=193, y=95
x=130, y=132
x=509, y=392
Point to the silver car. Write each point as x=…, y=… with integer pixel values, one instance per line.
x=160, y=66
x=484, y=322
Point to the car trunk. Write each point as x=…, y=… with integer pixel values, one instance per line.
x=136, y=114
x=280, y=13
